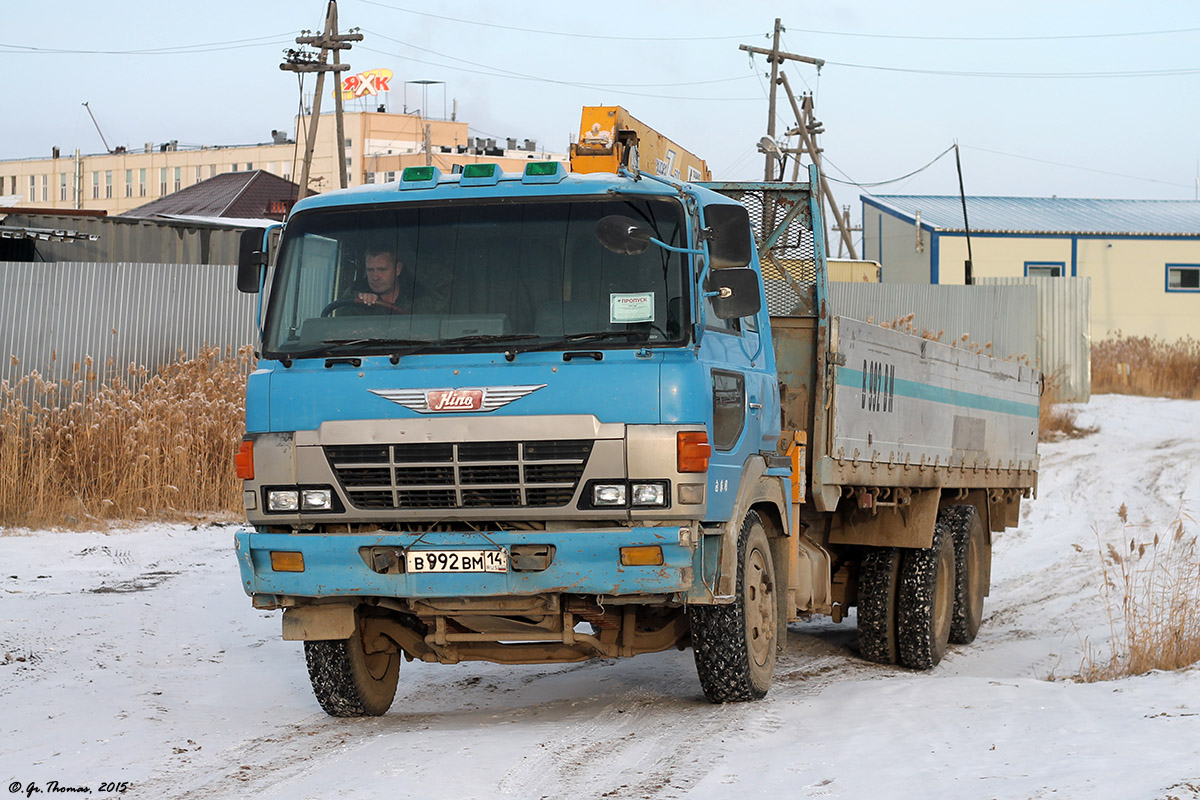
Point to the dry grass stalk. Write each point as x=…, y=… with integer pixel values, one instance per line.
x=1057, y=420
x=77, y=451
x=1147, y=366
x=1152, y=593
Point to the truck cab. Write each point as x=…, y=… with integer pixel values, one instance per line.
x=564, y=411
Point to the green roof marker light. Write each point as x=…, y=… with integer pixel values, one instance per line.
x=480, y=175
x=544, y=172
x=419, y=177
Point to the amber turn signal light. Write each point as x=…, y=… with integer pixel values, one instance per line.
x=692, y=451
x=244, y=460
x=649, y=555
x=287, y=561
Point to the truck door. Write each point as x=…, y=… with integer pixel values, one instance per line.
x=744, y=417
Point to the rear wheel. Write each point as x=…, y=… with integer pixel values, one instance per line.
x=734, y=645
x=354, y=677
x=878, y=591
x=973, y=555
x=926, y=601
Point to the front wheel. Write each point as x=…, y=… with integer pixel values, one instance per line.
x=734, y=645
x=354, y=677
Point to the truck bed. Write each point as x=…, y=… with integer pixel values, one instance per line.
x=902, y=411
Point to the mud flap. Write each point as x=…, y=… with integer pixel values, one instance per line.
x=318, y=623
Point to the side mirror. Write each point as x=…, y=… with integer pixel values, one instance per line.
x=624, y=236
x=251, y=260
x=729, y=238
x=737, y=294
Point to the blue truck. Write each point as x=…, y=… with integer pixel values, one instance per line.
x=552, y=416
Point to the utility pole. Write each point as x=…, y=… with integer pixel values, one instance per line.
x=807, y=128
x=775, y=57
x=304, y=61
x=853, y=228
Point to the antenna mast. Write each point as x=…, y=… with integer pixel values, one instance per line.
x=107, y=149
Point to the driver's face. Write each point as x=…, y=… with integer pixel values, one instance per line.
x=382, y=272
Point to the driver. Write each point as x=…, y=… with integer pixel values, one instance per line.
x=383, y=279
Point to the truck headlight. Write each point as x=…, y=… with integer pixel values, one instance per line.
x=649, y=494
x=283, y=500
x=608, y=494
x=316, y=499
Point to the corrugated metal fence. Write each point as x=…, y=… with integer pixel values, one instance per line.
x=1002, y=317
x=54, y=315
x=1064, y=331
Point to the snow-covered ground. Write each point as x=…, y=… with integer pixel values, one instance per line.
x=134, y=657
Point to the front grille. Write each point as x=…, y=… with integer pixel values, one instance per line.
x=430, y=476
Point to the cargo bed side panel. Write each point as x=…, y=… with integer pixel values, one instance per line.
x=908, y=411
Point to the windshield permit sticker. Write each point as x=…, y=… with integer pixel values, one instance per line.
x=632, y=307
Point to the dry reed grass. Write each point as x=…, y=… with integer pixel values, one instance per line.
x=75, y=452
x=1152, y=593
x=1146, y=366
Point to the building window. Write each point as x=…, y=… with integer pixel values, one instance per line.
x=1045, y=269
x=234, y=167
x=95, y=185
x=198, y=178
x=212, y=170
x=62, y=186
x=45, y=188
x=249, y=167
x=142, y=182
x=108, y=184
x=129, y=183
x=178, y=178
x=389, y=176
x=162, y=181
x=1183, y=277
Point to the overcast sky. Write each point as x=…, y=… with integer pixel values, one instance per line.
x=1053, y=97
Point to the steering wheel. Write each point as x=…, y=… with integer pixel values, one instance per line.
x=378, y=307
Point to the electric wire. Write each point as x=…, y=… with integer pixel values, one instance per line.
x=876, y=184
x=567, y=34
x=183, y=49
x=1049, y=37
x=514, y=73
x=518, y=76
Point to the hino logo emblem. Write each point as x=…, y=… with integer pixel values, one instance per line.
x=450, y=400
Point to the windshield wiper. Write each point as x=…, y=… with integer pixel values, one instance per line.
x=582, y=338
x=328, y=345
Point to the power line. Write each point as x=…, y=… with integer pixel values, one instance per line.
x=905, y=177
x=1075, y=166
x=559, y=33
x=551, y=80
x=518, y=76
x=997, y=38
x=1156, y=73
x=233, y=44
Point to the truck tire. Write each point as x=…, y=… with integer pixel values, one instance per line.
x=878, y=592
x=972, y=556
x=347, y=680
x=926, y=602
x=734, y=645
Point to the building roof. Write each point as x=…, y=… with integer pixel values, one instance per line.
x=250, y=195
x=1048, y=214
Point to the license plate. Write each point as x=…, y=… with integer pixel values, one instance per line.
x=456, y=561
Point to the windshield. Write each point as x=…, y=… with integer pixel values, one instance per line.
x=469, y=275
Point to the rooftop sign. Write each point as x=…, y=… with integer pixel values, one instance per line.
x=365, y=84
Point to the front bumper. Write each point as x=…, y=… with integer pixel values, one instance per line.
x=585, y=562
